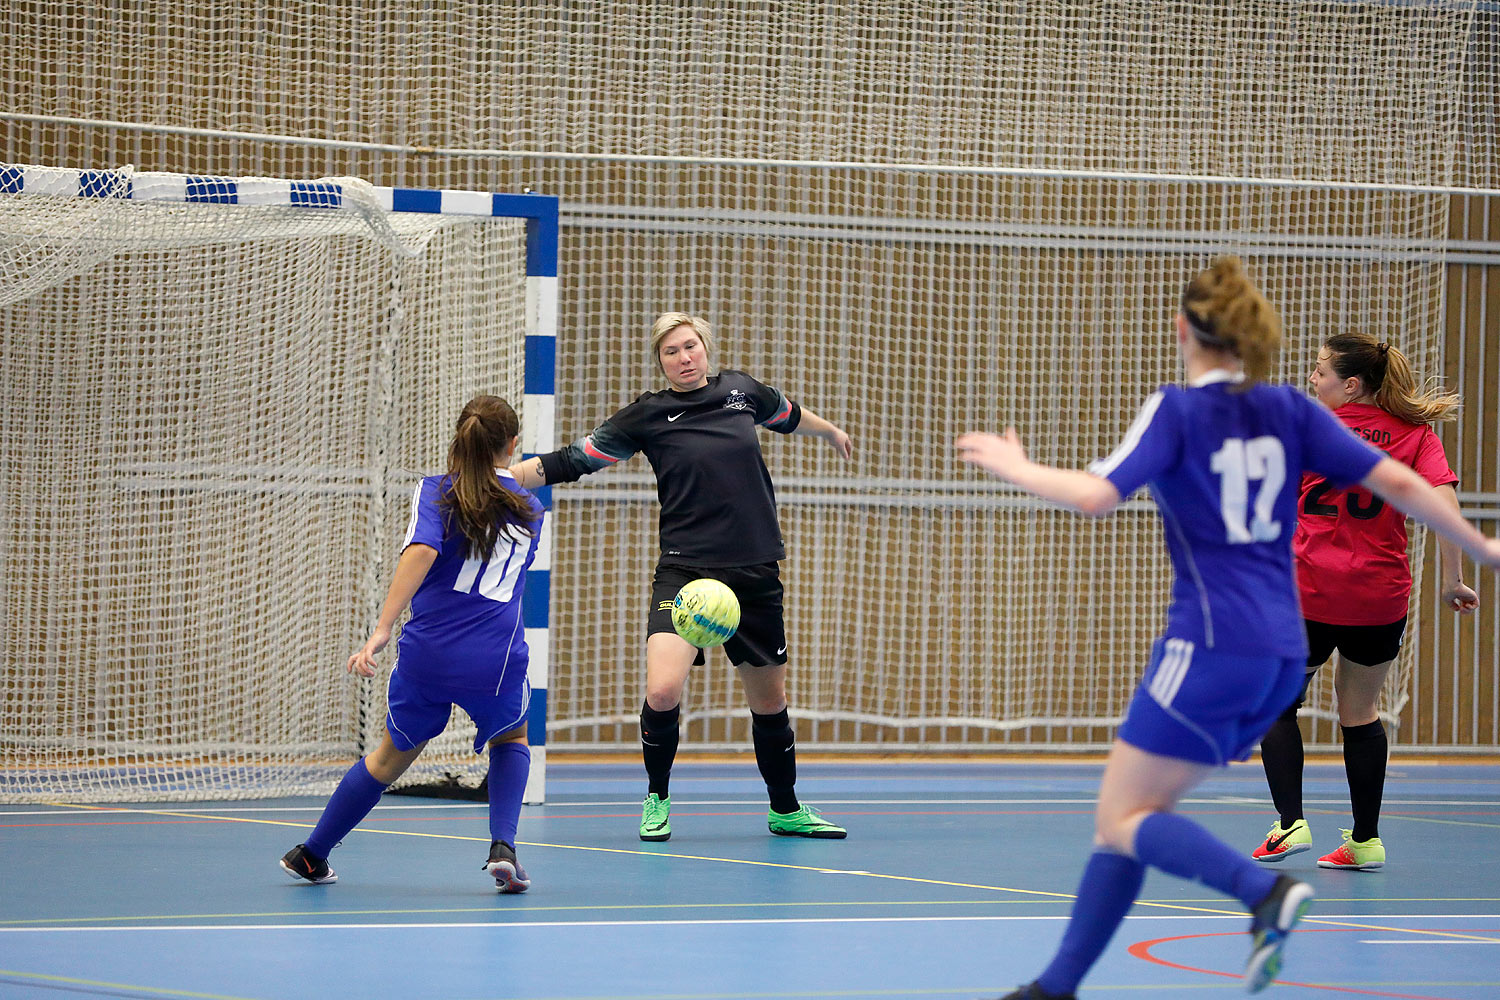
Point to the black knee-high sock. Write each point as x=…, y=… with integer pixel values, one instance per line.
x=1282, y=757
x=1365, y=749
x=776, y=754
x=659, y=746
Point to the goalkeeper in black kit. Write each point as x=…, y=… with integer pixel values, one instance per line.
x=718, y=520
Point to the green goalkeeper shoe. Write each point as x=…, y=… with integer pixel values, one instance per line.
x=805, y=822
x=656, y=818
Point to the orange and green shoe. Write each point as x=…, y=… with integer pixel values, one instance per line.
x=1356, y=855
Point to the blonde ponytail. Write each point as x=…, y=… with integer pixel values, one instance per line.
x=1225, y=310
x=1386, y=374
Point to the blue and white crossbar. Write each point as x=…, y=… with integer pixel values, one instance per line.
x=538, y=407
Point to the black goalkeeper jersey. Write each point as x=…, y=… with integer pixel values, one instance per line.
x=718, y=507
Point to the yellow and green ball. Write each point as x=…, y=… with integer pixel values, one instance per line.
x=705, y=613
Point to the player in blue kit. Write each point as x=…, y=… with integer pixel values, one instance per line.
x=473, y=532
x=718, y=519
x=1223, y=456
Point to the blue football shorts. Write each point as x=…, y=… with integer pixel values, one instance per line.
x=416, y=712
x=1200, y=705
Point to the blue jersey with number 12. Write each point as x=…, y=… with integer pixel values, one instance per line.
x=465, y=630
x=1224, y=465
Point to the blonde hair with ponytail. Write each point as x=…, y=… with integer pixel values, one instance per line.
x=1225, y=310
x=1386, y=374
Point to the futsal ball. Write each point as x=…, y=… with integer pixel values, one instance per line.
x=705, y=613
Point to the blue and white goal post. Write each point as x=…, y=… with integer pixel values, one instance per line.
x=538, y=410
x=540, y=213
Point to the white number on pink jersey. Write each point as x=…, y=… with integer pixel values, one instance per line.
x=1239, y=463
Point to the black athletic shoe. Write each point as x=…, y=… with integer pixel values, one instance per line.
x=507, y=871
x=1270, y=922
x=300, y=863
x=1031, y=991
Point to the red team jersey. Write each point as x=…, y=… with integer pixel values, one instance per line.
x=1350, y=545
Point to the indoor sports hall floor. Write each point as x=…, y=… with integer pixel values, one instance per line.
x=954, y=882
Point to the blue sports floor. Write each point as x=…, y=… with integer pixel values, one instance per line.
x=954, y=883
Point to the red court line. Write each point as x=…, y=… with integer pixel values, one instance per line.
x=1142, y=950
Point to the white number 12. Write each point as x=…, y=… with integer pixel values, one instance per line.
x=1239, y=462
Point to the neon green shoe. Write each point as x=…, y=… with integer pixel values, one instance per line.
x=805, y=822
x=1357, y=855
x=656, y=818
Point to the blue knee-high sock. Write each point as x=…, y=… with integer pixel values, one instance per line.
x=1180, y=847
x=1109, y=886
x=510, y=763
x=351, y=802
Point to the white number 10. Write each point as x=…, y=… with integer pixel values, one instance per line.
x=501, y=571
x=1239, y=462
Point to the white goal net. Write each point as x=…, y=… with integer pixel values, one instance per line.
x=916, y=217
x=214, y=415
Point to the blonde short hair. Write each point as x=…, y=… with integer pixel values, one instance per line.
x=1225, y=309
x=667, y=322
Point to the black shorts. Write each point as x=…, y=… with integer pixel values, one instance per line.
x=761, y=638
x=1366, y=644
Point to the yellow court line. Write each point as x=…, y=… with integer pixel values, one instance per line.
x=759, y=905
x=1442, y=822
x=1216, y=911
x=1445, y=935
x=41, y=977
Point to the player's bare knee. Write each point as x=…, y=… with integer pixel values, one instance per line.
x=1356, y=715
x=663, y=699
x=1116, y=831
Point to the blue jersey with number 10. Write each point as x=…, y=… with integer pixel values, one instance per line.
x=465, y=630
x=1224, y=466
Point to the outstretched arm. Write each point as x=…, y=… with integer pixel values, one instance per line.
x=1397, y=484
x=1456, y=594
x=815, y=426
x=411, y=570
x=1005, y=458
x=529, y=474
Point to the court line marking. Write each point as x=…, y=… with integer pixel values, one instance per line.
x=972, y=918
x=767, y=905
x=689, y=922
x=1143, y=951
x=1257, y=804
x=41, y=978
x=1383, y=941
x=1215, y=910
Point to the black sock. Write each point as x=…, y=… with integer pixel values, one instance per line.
x=776, y=754
x=1281, y=755
x=1365, y=749
x=659, y=746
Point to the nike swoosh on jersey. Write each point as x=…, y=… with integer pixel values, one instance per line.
x=781, y=650
x=674, y=417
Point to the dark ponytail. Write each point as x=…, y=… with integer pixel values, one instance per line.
x=473, y=497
